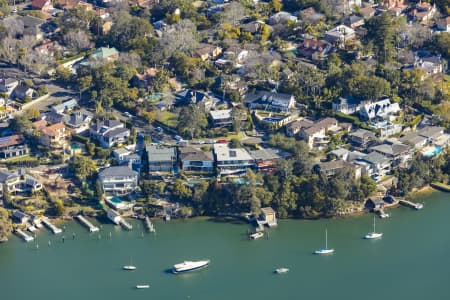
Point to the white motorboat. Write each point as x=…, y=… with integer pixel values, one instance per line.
x=281, y=270
x=374, y=234
x=256, y=235
x=188, y=266
x=142, y=286
x=130, y=267
x=325, y=250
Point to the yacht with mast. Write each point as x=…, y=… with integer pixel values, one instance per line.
x=325, y=250
x=374, y=234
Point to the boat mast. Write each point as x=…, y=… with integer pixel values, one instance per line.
x=374, y=224
x=326, y=238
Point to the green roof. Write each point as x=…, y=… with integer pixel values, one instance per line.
x=104, y=52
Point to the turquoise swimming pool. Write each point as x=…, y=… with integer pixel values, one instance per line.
x=435, y=151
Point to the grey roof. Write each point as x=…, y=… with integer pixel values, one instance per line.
x=5, y=175
x=156, y=154
x=268, y=97
x=268, y=154
x=115, y=132
x=192, y=154
x=106, y=123
x=79, y=118
x=334, y=165
x=391, y=149
x=29, y=21
x=375, y=158
x=363, y=133
x=430, y=131
x=117, y=171
x=67, y=105
x=339, y=152
x=412, y=138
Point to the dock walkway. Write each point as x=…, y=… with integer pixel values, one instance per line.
x=88, y=224
x=149, y=225
x=52, y=227
x=407, y=203
x=125, y=224
x=26, y=237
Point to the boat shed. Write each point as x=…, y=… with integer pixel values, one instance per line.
x=268, y=216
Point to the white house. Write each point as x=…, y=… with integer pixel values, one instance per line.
x=119, y=180
x=382, y=108
x=231, y=161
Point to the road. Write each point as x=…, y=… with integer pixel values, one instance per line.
x=57, y=93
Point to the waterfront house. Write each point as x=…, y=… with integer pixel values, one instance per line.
x=270, y=101
x=232, y=160
x=18, y=182
x=362, y=137
x=375, y=203
x=444, y=24
x=397, y=152
x=196, y=160
x=109, y=133
x=13, y=146
x=119, y=180
x=53, y=136
x=431, y=133
x=7, y=85
x=331, y=168
x=65, y=106
x=374, y=164
x=161, y=159
x=414, y=139
x=382, y=108
x=346, y=105
x=268, y=216
x=266, y=158
x=221, y=118
x=20, y=217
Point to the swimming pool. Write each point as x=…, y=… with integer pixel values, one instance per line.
x=432, y=152
x=272, y=120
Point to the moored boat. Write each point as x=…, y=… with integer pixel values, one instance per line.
x=325, y=250
x=373, y=235
x=256, y=235
x=281, y=270
x=188, y=266
x=142, y=286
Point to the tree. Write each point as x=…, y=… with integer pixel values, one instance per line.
x=14, y=26
x=191, y=121
x=276, y=5
x=9, y=50
x=77, y=41
x=63, y=74
x=233, y=13
x=60, y=208
x=180, y=190
x=5, y=224
x=442, y=43
x=182, y=39
x=381, y=31
x=4, y=10
x=82, y=167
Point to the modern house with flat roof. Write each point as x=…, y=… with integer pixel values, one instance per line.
x=161, y=159
x=229, y=161
x=119, y=180
x=221, y=118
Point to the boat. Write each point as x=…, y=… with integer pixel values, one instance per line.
x=256, y=235
x=374, y=234
x=281, y=270
x=188, y=266
x=325, y=250
x=142, y=286
x=130, y=267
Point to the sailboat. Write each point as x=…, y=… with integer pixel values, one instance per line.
x=374, y=234
x=130, y=267
x=325, y=250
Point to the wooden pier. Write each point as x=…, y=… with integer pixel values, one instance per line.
x=26, y=237
x=407, y=203
x=88, y=224
x=149, y=225
x=125, y=224
x=52, y=227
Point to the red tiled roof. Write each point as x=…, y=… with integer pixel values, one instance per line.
x=38, y=4
x=53, y=129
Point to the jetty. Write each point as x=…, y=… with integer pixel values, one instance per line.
x=26, y=237
x=149, y=225
x=407, y=203
x=88, y=224
x=52, y=227
x=125, y=224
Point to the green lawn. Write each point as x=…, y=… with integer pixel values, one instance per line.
x=167, y=118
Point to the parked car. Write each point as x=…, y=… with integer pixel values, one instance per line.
x=177, y=138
